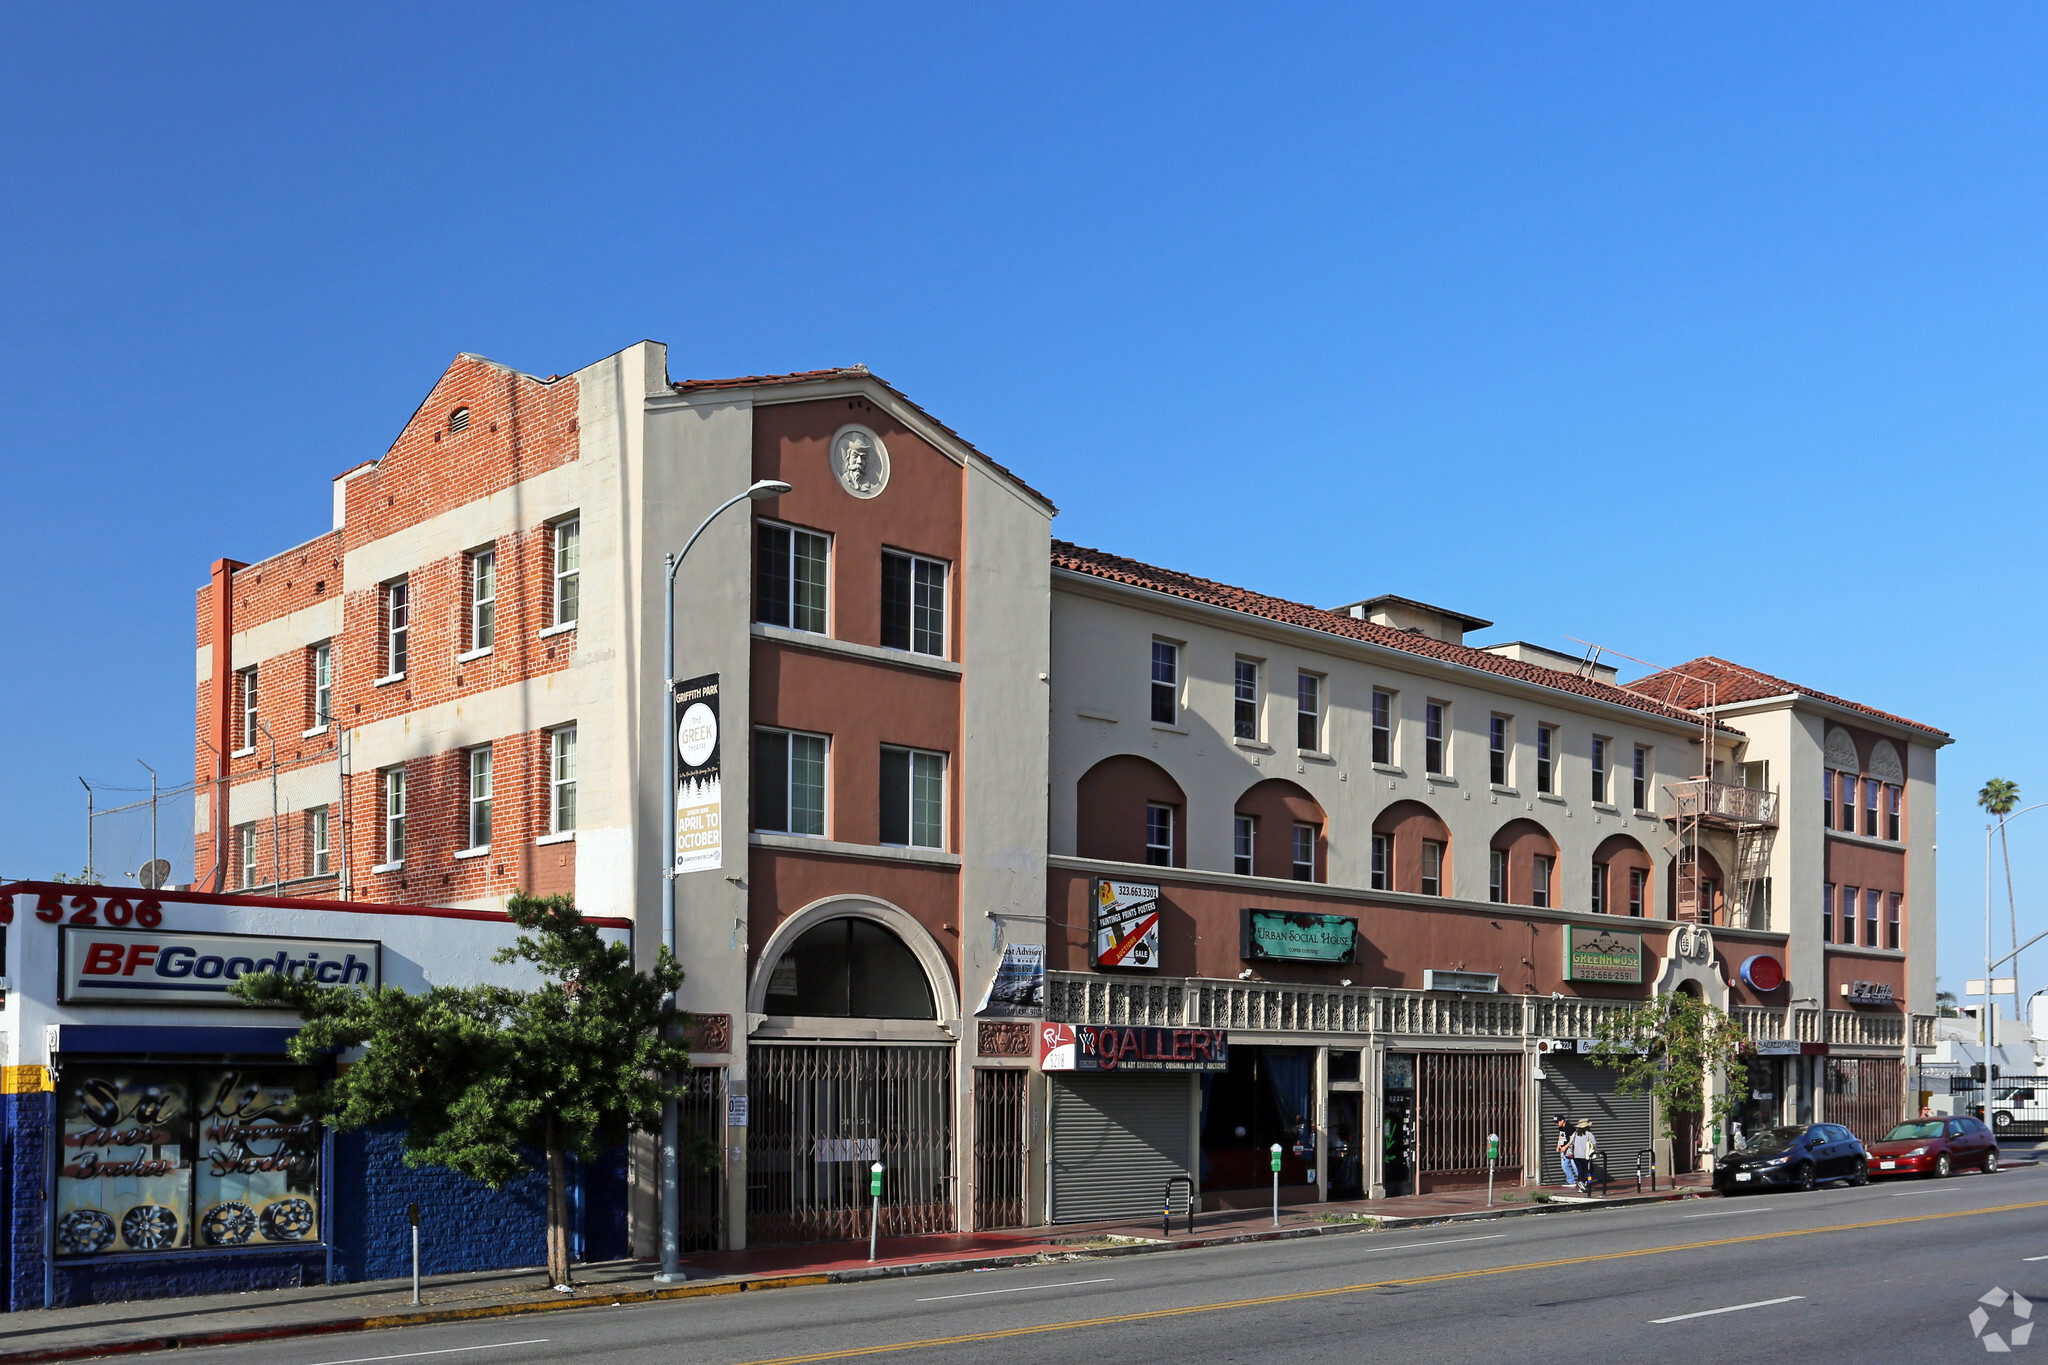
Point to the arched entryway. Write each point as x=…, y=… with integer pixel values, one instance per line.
x=1688, y=1129
x=1278, y=830
x=1128, y=809
x=849, y=1063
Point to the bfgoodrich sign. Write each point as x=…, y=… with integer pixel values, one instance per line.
x=180, y=968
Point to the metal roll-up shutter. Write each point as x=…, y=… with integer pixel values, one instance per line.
x=1116, y=1140
x=1574, y=1088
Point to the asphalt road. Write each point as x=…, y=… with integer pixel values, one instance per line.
x=1887, y=1273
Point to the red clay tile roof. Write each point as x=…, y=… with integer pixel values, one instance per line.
x=1116, y=569
x=1684, y=686
x=854, y=372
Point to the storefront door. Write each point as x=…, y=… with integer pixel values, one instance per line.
x=1397, y=1123
x=1266, y=1097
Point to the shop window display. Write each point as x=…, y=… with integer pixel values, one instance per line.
x=160, y=1159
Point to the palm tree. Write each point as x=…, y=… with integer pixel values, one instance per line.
x=1999, y=797
x=1945, y=1004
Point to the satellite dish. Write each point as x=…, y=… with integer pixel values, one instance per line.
x=155, y=873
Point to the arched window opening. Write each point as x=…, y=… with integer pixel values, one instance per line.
x=850, y=968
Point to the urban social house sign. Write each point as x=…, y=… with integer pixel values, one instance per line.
x=1298, y=937
x=1602, y=955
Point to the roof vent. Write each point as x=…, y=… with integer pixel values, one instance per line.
x=458, y=420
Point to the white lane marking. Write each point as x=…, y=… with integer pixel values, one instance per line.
x=1410, y=1246
x=1722, y=1214
x=1731, y=1308
x=444, y=1351
x=2034, y=1258
x=1908, y=1194
x=981, y=1293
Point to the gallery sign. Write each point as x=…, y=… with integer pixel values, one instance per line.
x=699, y=835
x=1091, y=1047
x=1126, y=924
x=1282, y=934
x=1602, y=955
x=101, y=966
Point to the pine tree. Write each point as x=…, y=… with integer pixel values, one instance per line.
x=483, y=1076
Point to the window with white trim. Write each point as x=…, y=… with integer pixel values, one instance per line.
x=480, y=797
x=1245, y=700
x=1497, y=750
x=483, y=599
x=789, y=782
x=249, y=728
x=1433, y=867
x=1640, y=779
x=913, y=798
x=248, y=833
x=914, y=603
x=1165, y=682
x=1382, y=862
x=394, y=815
x=1638, y=884
x=568, y=571
x=1600, y=769
x=790, y=568
x=1308, y=712
x=1304, y=852
x=1539, y=880
x=397, y=625
x=1383, y=727
x=1497, y=876
x=562, y=780
x=1597, y=900
x=1436, y=734
x=1158, y=834
x=1243, y=833
x=1546, y=761
x=323, y=683
x=316, y=842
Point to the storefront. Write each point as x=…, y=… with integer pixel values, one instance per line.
x=1575, y=1087
x=1122, y=1114
x=156, y=1135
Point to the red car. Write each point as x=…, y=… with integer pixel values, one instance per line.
x=1934, y=1147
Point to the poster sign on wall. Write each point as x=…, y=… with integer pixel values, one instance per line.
x=699, y=833
x=1018, y=990
x=1091, y=1047
x=1602, y=955
x=1298, y=937
x=1126, y=925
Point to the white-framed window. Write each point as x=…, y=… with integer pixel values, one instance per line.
x=1497, y=750
x=1539, y=881
x=483, y=599
x=1871, y=787
x=1304, y=852
x=1497, y=876
x=1640, y=779
x=1873, y=901
x=1600, y=769
x=791, y=570
x=562, y=780
x=394, y=815
x=1598, y=895
x=248, y=841
x=323, y=682
x=1432, y=867
x=1165, y=682
x=1895, y=913
x=1638, y=884
x=249, y=729
x=1827, y=911
x=1383, y=727
x=1436, y=735
x=480, y=797
x=397, y=626
x=317, y=859
x=789, y=782
x=1244, y=717
x=1158, y=834
x=568, y=566
x=1546, y=760
x=913, y=798
x=1383, y=862
x=1308, y=712
x=1894, y=808
x=914, y=603
x=1243, y=834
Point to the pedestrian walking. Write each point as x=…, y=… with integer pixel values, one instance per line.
x=1564, y=1152
x=1584, y=1147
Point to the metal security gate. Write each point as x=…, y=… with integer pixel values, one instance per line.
x=822, y=1115
x=1116, y=1140
x=1000, y=1106
x=1866, y=1095
x=1460, y=1098
x=1575, y=1088
x=700, y=1113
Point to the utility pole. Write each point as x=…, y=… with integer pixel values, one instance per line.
x=152, y=811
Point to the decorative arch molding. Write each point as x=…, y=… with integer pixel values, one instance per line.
x=1522, y=841
x=1840, y=751
x=1621, y=855
x=1691, y=966
x=1109, y=809
x=1276, y=806
x=938, y=973
x=1884, y=763
x=1409, y=824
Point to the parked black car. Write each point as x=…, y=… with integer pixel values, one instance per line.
x=1797, y=1157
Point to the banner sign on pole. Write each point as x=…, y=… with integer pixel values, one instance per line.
x=699, y=838
x=1017, y=990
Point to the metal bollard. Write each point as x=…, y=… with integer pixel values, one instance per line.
x=412, y=1213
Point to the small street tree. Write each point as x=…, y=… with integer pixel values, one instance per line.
x=482, y=1076
x=1671, y=1046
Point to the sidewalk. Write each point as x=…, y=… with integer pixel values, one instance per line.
x=162, y=1324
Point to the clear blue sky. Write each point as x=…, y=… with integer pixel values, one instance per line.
x=1682, y=332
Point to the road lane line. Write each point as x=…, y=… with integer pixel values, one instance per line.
x=1019, y=1289
x=1444, y=1277
x=444, y=1351
x=2034, y=1258
x=1731, y=1308
x=1410, y=1246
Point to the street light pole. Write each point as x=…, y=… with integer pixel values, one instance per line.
x=671, y=1178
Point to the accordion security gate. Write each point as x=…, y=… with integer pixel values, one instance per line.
x=701, y=1113
x=1866, y=1095
x=821, y=1115
x=1461, y=1097
x=1000, y=1104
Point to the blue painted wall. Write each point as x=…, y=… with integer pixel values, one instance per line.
x=24, y=1146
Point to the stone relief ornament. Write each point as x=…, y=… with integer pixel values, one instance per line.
x=860, y=461
x=1693, y=943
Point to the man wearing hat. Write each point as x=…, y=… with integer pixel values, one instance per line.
x=1583, y=1145
x=1564, y=1151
